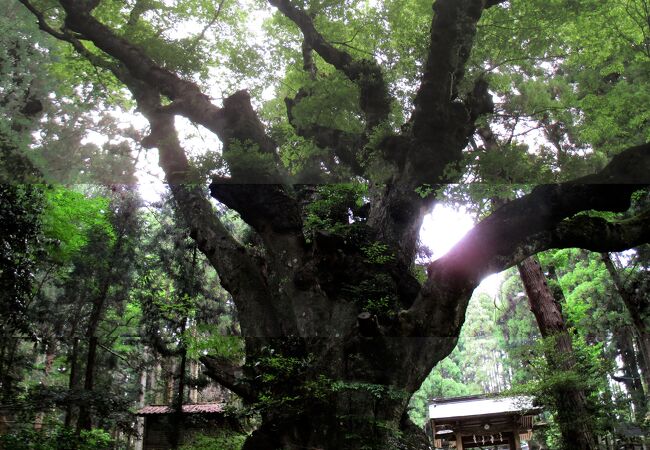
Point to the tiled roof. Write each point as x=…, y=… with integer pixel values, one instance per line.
x=187, y=409
x=477, y=406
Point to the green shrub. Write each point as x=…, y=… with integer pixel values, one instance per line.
x=223, y=440
x=56, y=439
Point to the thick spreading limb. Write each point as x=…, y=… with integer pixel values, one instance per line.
x=497, y=242
x=530, y=224
x=229, y=376
x=452, y=35
x=595, y=233
x=191, y=102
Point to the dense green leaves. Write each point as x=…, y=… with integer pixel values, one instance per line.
x=71, y=217
x=57, y=439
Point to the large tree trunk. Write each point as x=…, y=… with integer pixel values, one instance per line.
x=573, y=414
x=350, y=399
x=354, y=420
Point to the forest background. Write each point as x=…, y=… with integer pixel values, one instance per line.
x=109, y=303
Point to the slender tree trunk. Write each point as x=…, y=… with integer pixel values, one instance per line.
x=4, y=414
x=644, y=368
x=194, y=373
x=139, y=440
x=573, y=414
x=9, y=377
x=631, y=373
x=156, y=382
x=8, y=351
x=3, y=348
x=637, y=305
x=167, y=373
x=99, y=302
x=85, y=416
x=177, y=417
x=73, y=381
x=49, y=360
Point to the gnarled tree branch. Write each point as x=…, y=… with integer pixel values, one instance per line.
x=437, y=106
x=374, y=98
x=229, y=376
x=239, y=274
x=596, y=234
x=490, y=246
x=236, y=124
x=236, y=121
x=530, y=224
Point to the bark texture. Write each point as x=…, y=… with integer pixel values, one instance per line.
x=637, y=302
x=339, y=333
x=573, y=413
x=624, y=338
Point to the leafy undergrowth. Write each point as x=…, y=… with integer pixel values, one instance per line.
x=223, y=440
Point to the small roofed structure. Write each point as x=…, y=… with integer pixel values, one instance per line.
x=481, y=421
x=202, y=418
x=202, y=408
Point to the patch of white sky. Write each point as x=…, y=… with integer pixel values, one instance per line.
x=150, y=177
x=443, y=228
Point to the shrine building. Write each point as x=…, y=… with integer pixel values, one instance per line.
x=481, y=421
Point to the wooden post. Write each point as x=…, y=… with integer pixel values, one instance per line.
x=432, y=428
x=459, y=441
x=511, y=442
x=516, y=439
